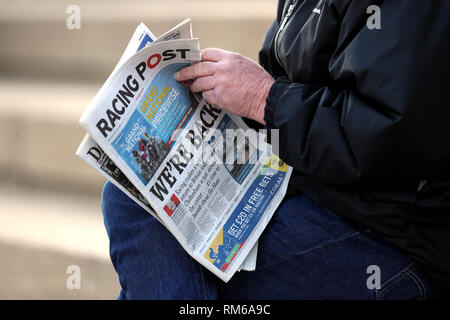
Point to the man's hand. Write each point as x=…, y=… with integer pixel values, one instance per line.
x=231, y=81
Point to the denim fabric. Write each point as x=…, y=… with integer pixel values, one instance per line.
x=306, y=252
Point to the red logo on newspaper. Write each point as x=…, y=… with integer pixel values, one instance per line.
x=172, y=205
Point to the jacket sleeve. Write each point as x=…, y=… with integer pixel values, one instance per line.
x=385, y=116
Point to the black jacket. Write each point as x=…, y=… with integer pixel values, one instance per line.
x=364, y=116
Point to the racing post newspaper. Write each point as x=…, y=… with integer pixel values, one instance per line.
x=209, y=179
x=91, y=152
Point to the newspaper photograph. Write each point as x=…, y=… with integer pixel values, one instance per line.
x=211, y=180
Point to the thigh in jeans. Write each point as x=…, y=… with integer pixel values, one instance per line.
x=149, y=261
x=309, y=252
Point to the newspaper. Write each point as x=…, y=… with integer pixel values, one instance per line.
x=91, y=152
x=211, y=180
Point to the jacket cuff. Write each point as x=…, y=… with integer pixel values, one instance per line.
x=277, y=89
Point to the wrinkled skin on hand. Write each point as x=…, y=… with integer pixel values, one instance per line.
x=230, y=81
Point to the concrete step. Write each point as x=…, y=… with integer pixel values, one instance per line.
x=68, y=223
x=36, y=42
x=39, y=134
x=41, y=235
x=29, y=273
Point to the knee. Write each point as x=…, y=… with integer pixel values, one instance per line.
x=113, y=199
x=109, y=195
x=111, y=191
x=119, y=209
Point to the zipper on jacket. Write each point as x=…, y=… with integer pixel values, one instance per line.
x=281, y=28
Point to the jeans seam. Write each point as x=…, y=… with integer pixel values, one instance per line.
x=323, y=244
x=420, y=285
x=203, y=282
x=400, y=276
x=392, y=281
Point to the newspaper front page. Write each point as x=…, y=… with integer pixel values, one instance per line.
x=92, y=154
x=211, y=180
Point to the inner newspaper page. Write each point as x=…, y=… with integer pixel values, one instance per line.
x=212, y=183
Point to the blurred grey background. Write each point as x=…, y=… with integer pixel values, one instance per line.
x=50, y=215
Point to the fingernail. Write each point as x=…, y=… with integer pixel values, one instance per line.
x=176, y=75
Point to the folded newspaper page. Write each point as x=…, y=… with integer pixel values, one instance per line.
x=91, y=152
x=211, y=180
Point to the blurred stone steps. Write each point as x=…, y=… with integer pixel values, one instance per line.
x=37, y=44
x=42, y=233
x=56, y=221
x=29, y=273
x=39, y=134
x=48, y=73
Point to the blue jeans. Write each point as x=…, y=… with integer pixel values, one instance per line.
x=306, y=252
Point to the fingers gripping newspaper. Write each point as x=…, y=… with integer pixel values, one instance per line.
x=211, y=181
